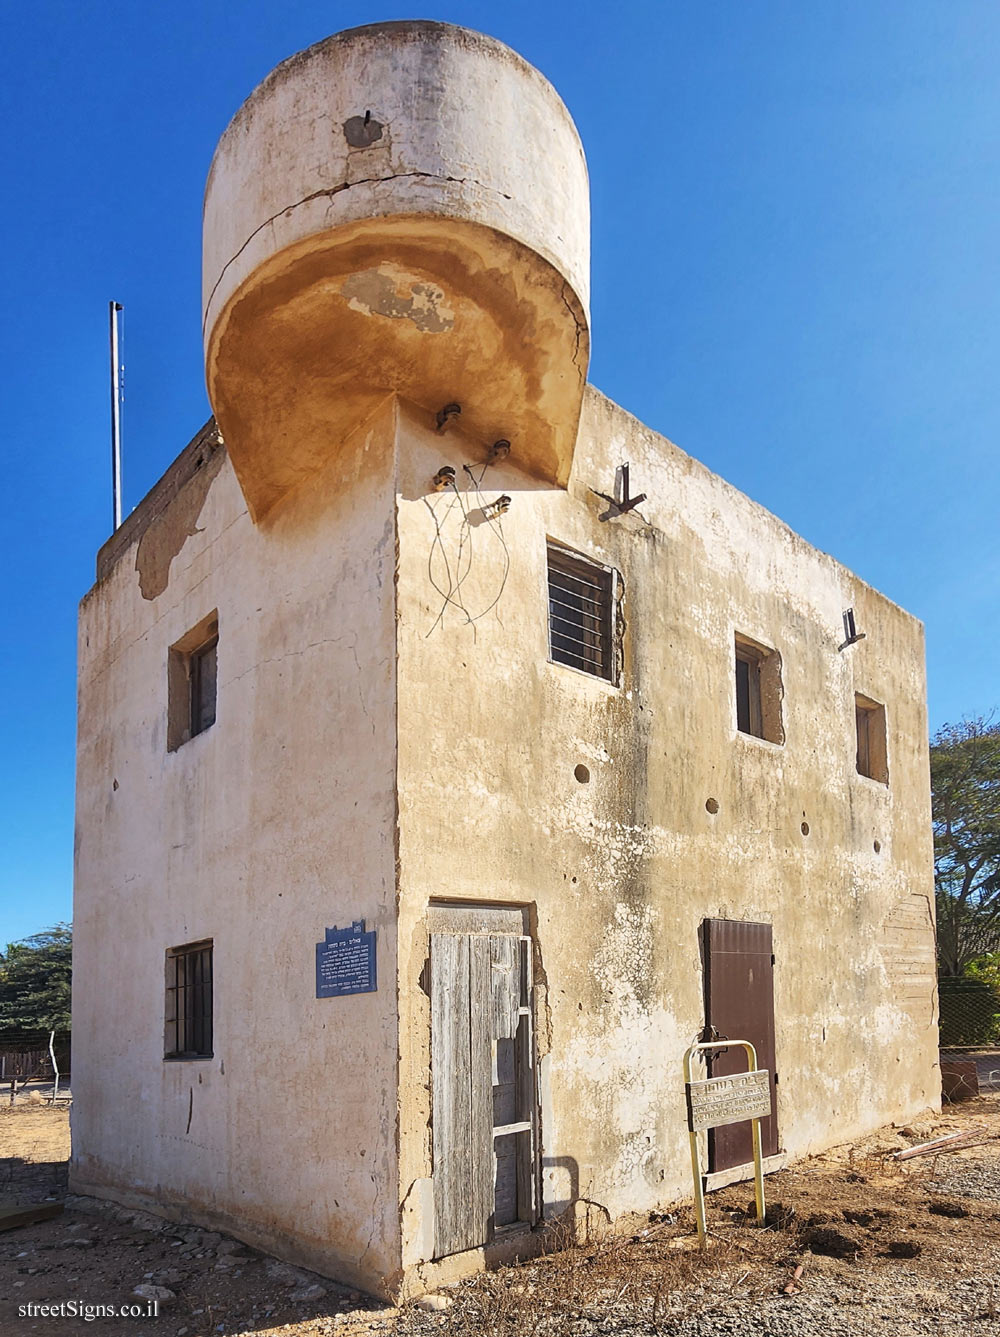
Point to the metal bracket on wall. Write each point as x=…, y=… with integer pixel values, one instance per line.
x=851, y=633
x=622, y=502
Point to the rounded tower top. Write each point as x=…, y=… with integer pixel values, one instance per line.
x=401, y=208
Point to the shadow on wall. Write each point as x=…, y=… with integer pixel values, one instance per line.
x=561, y=1175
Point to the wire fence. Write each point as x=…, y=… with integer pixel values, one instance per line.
x=970, y=1013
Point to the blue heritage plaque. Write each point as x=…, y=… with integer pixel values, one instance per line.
x=345, y=961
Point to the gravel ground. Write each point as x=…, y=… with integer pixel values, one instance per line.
x=884, y=1246
x=977, y=1179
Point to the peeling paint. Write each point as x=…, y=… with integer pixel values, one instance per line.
x=169, y=531
x=387, y=291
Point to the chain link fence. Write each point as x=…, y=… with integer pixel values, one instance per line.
x=970, y=1013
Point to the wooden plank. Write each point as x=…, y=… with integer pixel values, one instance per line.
x=525, y=1077
x=925, y=1148
x=505, y=985
x=506, y=1213
x=738, y=1173
x=481, y=1167
x=450, y=1089
x=469, y=918
x=11, y=1217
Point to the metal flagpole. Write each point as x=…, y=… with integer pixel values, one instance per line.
x=116, y=416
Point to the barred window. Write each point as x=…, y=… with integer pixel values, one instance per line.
x=188, y=1031
x=581, y=613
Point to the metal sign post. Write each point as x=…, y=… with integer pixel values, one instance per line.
x=723, y=1100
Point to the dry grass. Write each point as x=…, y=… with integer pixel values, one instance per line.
x=640, y=1277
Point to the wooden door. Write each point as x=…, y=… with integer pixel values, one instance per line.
x=482, y=1087
x=739, y=1005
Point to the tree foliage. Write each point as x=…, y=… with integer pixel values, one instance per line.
x=987, y=969
x=35, y=982
x=965, y=783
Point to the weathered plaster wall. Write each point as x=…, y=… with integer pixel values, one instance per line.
x=280, y=820
x=621, y=871
x=275, y=823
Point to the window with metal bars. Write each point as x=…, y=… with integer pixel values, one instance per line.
x=188, y=1031
x=581, y=613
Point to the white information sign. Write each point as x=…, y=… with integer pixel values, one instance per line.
x=722, y=1100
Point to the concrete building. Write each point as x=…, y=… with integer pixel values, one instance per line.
x=430, y=802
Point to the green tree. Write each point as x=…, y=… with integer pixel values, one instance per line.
x=965, y=783
x=987, y=969
x=35, y=982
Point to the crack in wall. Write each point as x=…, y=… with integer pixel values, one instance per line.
x=291, y=654
x=374, y=1225
x=579, y=327
x=329, y=192
x=327, y=640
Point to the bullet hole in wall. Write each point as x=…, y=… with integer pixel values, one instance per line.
x=877, y=846
x=582, y=774
x=712, y=805
x=804, y=828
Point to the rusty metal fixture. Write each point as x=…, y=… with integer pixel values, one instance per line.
x=448, y=414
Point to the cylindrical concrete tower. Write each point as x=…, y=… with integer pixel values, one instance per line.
x=402, y=208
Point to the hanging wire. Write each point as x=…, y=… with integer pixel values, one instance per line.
x=454, y=577
x=446, y=594
x=496, y=526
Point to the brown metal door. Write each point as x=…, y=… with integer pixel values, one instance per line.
x=739, y=1005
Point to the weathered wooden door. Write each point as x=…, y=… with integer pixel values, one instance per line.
x=482, y=1087
x=739, y=1005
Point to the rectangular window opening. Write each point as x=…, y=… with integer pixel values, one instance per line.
x=203, y=683
x=872, y=756
x=188, y=1014
x=758, y=691
x=192, y=682
x=581, y=614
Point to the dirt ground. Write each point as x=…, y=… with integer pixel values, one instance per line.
x=908, y=1247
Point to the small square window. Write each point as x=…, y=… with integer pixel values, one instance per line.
x=872, y=758
x=192, y=682
x=581, y=613
x=188, y=1013
x=758, y=691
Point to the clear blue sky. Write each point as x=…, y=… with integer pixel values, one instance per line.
x=795, y=277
